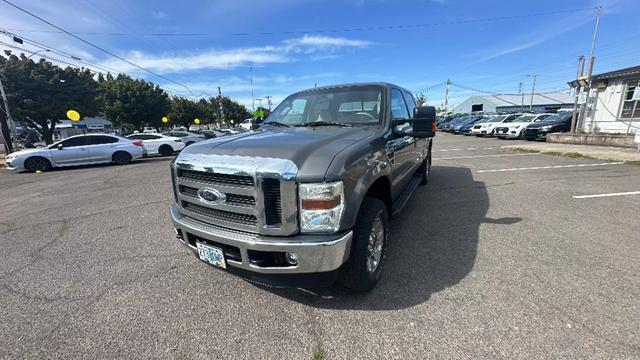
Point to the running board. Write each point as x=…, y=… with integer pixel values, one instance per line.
x=403, y=198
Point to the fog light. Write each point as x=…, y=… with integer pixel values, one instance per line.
x=292, y=258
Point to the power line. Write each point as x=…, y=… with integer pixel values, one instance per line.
x=94, y=46
x=47, y=57
x=59, y=52
x=316, y=31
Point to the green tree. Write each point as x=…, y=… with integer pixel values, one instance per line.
x=421, y=99
x=128, y=102
x=232, y=110
x=184, y=111
x=40, y=93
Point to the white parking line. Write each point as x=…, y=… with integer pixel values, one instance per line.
x=470, y=149
x=483, y=156
x=606, y=195
x=549, y=167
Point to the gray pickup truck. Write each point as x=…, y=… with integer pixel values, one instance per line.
x=305, y=200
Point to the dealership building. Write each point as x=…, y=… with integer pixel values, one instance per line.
x=509, y=103
x=613, y=105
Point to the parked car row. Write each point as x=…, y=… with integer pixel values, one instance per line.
x=95, y=148
x=507, y=126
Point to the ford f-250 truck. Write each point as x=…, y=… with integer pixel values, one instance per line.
x=306, y=200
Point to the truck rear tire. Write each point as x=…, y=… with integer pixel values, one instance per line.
x=368, y=250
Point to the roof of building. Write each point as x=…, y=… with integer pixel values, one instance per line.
x=634, y=70
x=539, y=99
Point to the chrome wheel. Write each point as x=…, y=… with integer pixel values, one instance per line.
x=375, y=245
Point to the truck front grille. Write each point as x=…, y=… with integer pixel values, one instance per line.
x=221, y=215
x=272, y=202
x=232, y=199
x=211, y=178
x=261, y=199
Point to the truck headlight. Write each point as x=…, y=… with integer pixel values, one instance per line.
x=321, y=206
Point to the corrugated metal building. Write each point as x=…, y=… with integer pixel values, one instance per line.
x=507, y=103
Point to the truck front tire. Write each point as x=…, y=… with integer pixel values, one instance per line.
x=425, y=169
x=368, y=249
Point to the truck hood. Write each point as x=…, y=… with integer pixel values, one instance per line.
x=310, y=149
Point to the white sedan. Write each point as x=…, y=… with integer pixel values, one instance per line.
x=188, y=138
x=515, y=129
x=158, y=144
x=77, y=150
x=488, y=126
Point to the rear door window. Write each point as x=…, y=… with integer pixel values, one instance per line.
x=101, y=140
x=73, y=142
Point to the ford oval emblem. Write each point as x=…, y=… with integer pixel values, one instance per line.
x=211, y=196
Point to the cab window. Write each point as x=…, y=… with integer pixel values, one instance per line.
x=398, y=106
x=411, y=103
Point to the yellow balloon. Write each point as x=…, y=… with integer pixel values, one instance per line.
x=197, y=121
x=165, y=120
x=73, y=115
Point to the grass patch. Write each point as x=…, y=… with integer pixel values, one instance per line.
x=319, y=353
x=573, y=155
x=522, y=150
x=633, y=162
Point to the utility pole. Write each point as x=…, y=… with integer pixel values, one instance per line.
x=592, y=59
x=521, y=96
x=574, y=115
x=533, y=91
x=259, y=102
x=268, y=97
x=7, y=127
x=446, y=95
x=220, y=105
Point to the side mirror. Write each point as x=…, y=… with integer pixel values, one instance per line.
x=424, y=122
x=60, y=147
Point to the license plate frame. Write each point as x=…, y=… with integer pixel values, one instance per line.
x=211, y=255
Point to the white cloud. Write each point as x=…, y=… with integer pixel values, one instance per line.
x=541, y=34
x=233, y=58
x=323, y=42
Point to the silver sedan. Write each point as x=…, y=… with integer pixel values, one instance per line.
x=77, y=150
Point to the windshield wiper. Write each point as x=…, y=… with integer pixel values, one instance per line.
x=322, y=123
x=275, y=123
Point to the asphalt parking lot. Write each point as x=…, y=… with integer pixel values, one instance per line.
x=495, y=258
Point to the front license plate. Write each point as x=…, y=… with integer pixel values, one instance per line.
x=212, y=255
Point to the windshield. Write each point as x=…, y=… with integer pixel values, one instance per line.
x=523, y=118
x=349, y=106
x=542, y=117
x=557, y=118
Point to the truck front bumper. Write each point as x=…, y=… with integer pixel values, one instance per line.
x=315, y=253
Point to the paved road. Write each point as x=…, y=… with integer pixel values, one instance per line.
x=483, y=264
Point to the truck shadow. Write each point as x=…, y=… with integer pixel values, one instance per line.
x=434, y=241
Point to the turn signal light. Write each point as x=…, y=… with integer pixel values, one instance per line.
x=320, y=204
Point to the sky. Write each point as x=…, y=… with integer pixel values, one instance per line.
x=255, y=49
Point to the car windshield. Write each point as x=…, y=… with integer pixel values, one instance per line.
x=496, y=119
x=556, y=118
x=343, y=106
x=523, y=118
